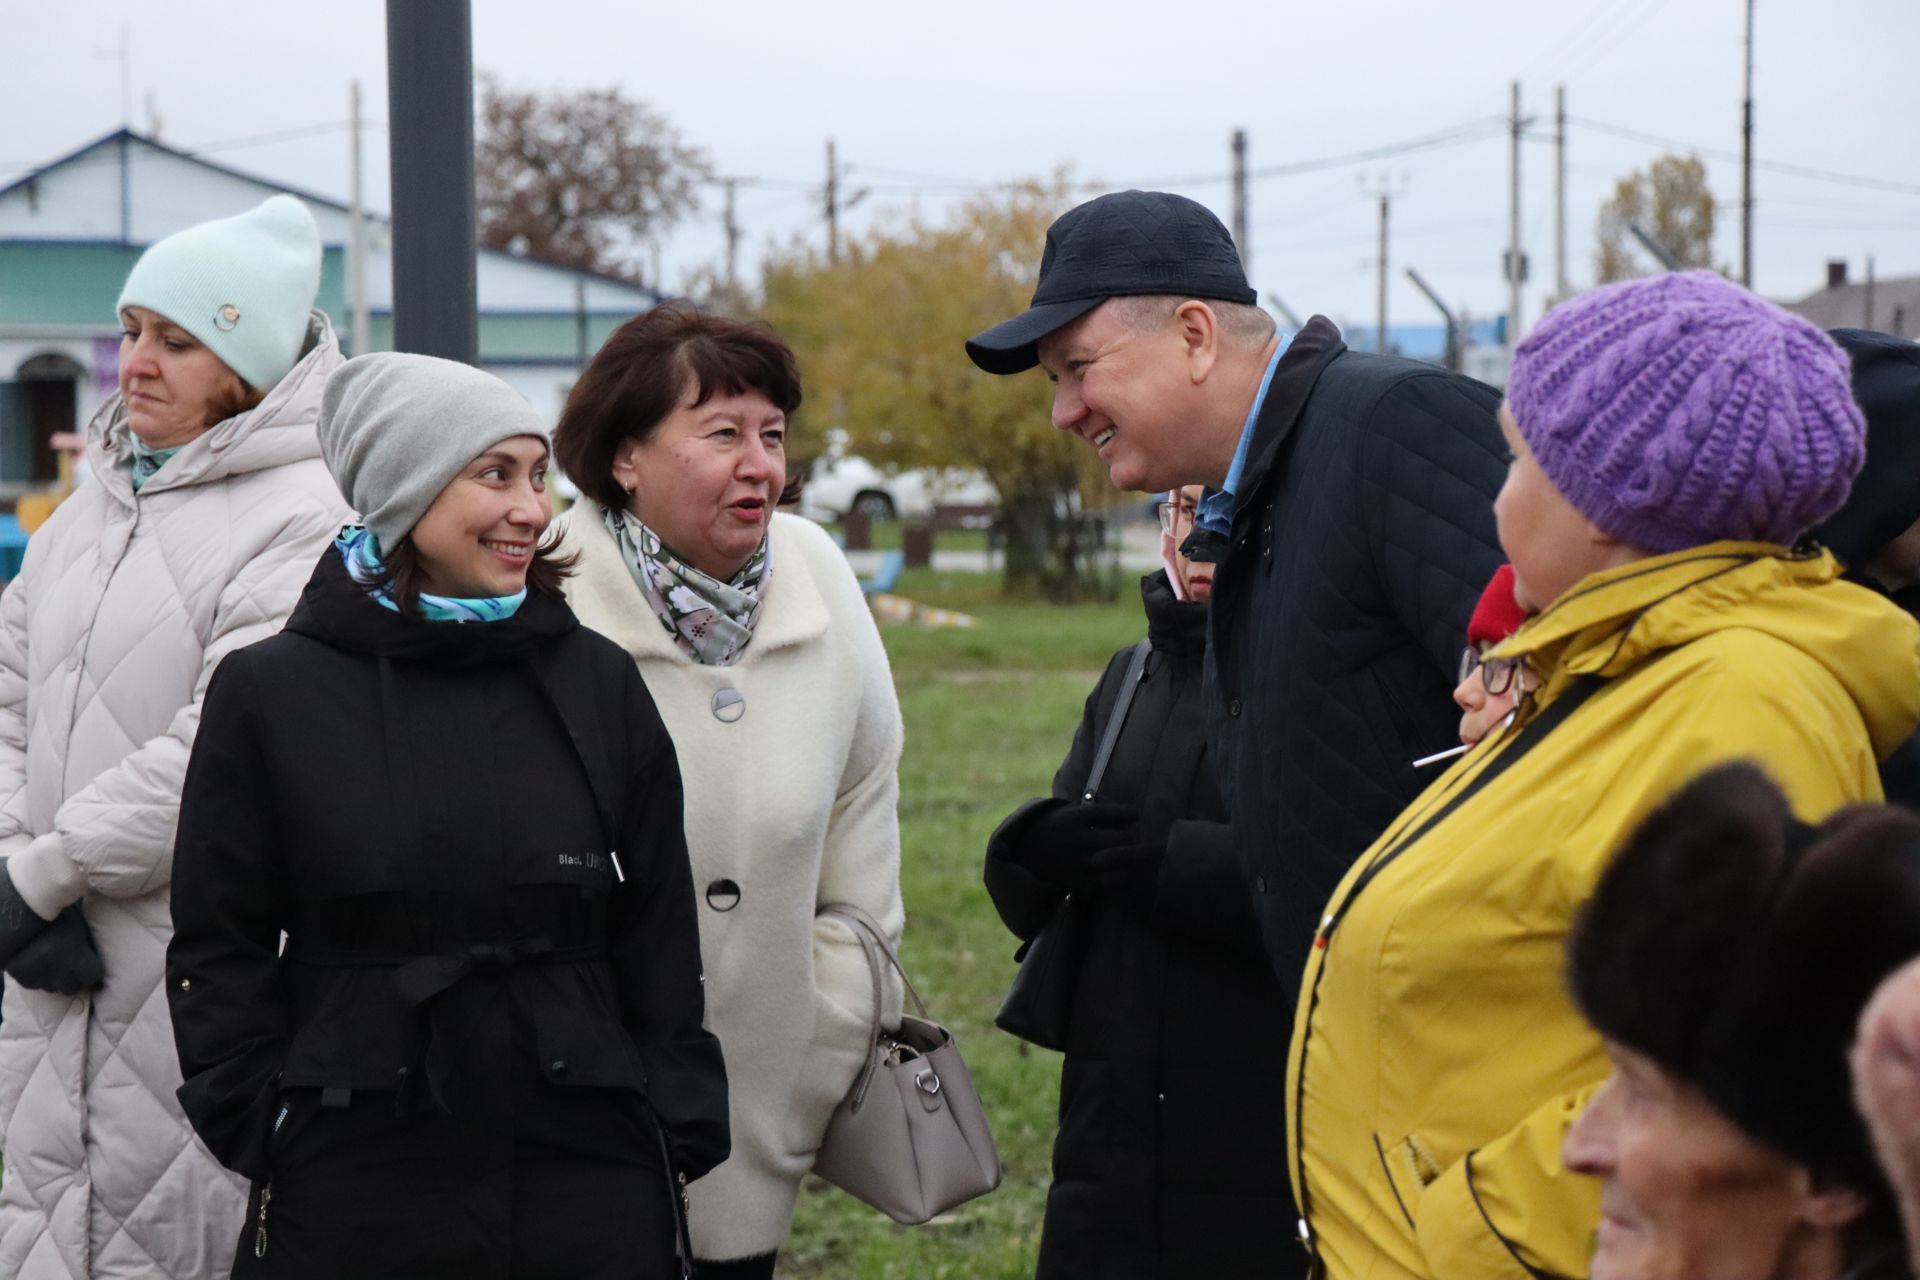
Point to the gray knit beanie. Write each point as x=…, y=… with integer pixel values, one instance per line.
x=396, y=429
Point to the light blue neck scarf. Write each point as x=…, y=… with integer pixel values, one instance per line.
x=361, y=551
x=147, y=460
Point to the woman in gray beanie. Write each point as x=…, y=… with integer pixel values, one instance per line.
x=207, y=506
x=479, y=1052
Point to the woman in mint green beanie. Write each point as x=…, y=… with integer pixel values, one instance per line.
x=207, y=506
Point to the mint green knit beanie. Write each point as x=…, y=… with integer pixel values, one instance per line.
x=243, y=285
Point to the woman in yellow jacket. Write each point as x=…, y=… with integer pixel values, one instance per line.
x=1672, y=438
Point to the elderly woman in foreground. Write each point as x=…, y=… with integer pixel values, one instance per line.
x=1724, y=958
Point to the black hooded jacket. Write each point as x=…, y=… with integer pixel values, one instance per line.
x=470, y=835
x=1363, y=535
x=1885, y=499
x=1167, y=1164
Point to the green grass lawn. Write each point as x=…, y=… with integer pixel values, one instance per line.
x=886, y=537
x=989, y=714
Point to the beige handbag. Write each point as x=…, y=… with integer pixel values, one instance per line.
x=909, y=1138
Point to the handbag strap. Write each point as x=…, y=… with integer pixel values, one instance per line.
x=874, y=942
x=1116, y=719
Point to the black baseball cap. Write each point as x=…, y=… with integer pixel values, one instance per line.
x=1129, y=242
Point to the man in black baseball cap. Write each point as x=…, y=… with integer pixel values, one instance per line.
x=1352, y=521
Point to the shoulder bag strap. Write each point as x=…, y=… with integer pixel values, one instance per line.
x=1116, y=719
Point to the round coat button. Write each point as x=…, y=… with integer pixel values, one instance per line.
x=1233, y=708
x=559, y=1067
x=729, y=705
x=1260, y=883
x=723, y=895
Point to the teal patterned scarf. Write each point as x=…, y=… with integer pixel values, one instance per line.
x=712, y=621
x=147, y=460
x=361, y=550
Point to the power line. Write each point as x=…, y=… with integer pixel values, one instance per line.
x=1774, y=166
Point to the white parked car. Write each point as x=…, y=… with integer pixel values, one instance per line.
x=840, y=482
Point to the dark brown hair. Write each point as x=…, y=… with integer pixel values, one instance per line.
x=646, y=368
x=405, y=576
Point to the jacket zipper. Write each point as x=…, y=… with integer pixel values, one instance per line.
x=260, y=1224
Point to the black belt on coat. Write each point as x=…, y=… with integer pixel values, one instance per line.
x=420, y=979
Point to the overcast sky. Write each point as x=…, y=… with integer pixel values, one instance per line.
x=1120, y=91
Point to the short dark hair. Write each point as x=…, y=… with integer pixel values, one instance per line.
x=640, y=375
x=403, y=576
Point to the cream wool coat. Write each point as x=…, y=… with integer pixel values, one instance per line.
x=107, y=639
x=795, y=802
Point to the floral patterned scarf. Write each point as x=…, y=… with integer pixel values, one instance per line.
x=361, y=550
x=712, y=621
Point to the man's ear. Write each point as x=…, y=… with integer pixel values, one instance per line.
x=1199, y=331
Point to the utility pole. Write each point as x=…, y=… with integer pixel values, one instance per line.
x=430, y=126
x=1866, y=314
x=1385, y=194
x=833, y=206
x=1560, y=286
x=1516, y=261
x=1746, y=165
x=1240, y=200
x=358, y=332
x=733, y=238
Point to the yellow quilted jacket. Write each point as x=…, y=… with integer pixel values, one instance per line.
x=1436, y=1059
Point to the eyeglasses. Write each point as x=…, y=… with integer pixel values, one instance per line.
x=1174, y=517
x=1496, y=674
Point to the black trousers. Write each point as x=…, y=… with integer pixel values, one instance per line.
x=570, y=1188
x=755, y=1268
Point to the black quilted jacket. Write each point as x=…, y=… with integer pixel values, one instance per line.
x=1362, y=538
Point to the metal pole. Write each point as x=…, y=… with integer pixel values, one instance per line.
x=1380, y=332
x=430, y=127
x=1452, y=356
x=359, y=331
x=733, y=239
x=580, y=319
x=1667, y=258
x=1866, y=310
x=833, y=206
x=1240, y=201
x=1746, y=165
x=1560, y=287
x=1286, y=312
x=1513, y=220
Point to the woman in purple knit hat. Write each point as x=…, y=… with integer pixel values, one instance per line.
x=1672, y=441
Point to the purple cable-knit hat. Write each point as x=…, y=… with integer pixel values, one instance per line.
x=1682, y=409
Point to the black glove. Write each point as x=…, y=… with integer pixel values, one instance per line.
x=1063, y=840
x=1131, y=870
x=61, y=958
x=18, y=924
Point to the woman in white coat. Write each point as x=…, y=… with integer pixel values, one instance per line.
x=753, y=637
x=207, y=508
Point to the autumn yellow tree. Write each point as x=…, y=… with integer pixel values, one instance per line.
x=1672, y=202
x=879, y=335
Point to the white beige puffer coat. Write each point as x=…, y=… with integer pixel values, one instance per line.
x=790, y=804
x=107, y=639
